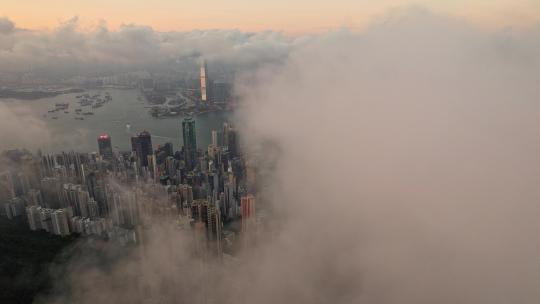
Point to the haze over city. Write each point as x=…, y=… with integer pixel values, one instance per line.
x=270, y=152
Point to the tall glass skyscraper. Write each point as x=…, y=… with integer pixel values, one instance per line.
x=188, y=132
x=190, y=140
x=105, y=146
x=142, y=145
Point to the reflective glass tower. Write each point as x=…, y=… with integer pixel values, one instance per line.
x=105, y=146
x=141, y=144
x=190, y=140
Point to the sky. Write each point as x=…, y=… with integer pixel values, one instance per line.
x=294, y=17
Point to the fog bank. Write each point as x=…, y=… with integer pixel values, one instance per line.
x=409, y=166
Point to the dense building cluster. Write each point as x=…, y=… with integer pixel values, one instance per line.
x=115, y=194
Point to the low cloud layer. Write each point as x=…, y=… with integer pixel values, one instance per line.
x=406, y=171
x=408, y=168
x=69, y=51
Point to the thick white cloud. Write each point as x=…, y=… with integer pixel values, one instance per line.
x=408, y=166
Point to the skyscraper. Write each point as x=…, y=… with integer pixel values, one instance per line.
x=105, y=147
x=141, y=144
x=190, y=140
x=217, y=138
x=204, y=83
x=213, y=228
x=188, y=131
x=220, y=91
x=247, y=204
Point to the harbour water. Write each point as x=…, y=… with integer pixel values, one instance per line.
x=121, y=118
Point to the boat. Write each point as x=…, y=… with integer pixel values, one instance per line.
x=79, y=118
x=61, y=106
x=66, y=112
x=88, y=113
x=54, y=117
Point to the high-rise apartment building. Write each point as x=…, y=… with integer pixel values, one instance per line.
x=7, y=189
x=59, y=222
x=33, y=214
